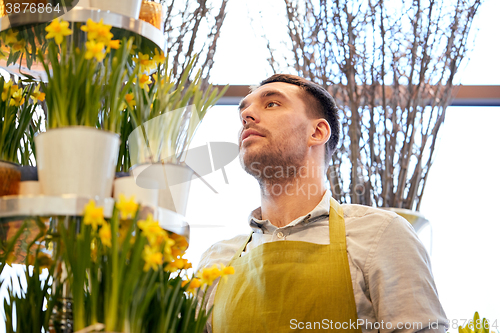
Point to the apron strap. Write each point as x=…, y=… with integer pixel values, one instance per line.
x=240, y=250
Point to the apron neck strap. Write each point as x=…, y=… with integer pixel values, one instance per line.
x=336, y=228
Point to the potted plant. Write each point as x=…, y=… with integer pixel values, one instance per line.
x=86, y=86
x=17, y=109
x=121, y=274
x=164, y=114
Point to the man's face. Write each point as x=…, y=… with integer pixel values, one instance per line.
x=274, y=132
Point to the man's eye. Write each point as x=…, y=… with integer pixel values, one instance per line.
x=271, y=104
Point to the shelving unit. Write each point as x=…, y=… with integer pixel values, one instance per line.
x=147, y=37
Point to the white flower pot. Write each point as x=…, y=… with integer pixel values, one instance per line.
x=29, y=187
x=128, y=187
x=172, y=181
x=77, y=160
x=129, y=8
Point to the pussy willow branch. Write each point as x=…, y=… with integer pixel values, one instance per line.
x=392, y=70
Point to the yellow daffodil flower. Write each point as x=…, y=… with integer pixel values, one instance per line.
x=36, y=95
x=11, y=37
x=144, y=80
x=44, y=260
x=209, y=275
x=167, y=250
x=151, y=258
x=159, y=57
x=129, y=98
x=177, y=265
x=99, y=32
x=144, y=61
x=105, y=234
x=225, y=271
x=19, y=46
x=93, y=215
x=6, y=90
x=194, y=283
x=180, y=246
x=94, y=50
x=127, y=208
x=152, y=230
x=58, y=29
x=114, y=44
x=17, y=98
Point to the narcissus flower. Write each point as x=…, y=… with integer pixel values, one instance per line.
x=159, y=57
x=105, y=234
x=209, y=275
x=152, y=230
x=99, y=32
x=6, y=93
x=177, y=265
x=43, y=259
x=127, y=208
x=19, y=46
x=58, y=29
x=225, y=271
x=94, y=50
x=93, y=215
x=145, y=63
x=17, y=98
x=152, y=258
x=36, y=95
x=10, y=37
x=144, y=80
x=114, y=44
x=194, y=283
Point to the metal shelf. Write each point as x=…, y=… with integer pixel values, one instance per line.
x=148, y=36
x=14, y=208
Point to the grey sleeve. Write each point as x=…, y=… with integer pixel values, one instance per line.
x=400, y=282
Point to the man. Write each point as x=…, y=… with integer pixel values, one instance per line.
x=309, y=262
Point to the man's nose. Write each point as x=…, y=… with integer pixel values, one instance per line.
x=249, y=114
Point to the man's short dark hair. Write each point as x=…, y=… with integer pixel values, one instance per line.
x=322, y=106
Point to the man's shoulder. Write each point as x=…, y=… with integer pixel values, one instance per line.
x=222, y=251
x=369, y=215
x=374, y=223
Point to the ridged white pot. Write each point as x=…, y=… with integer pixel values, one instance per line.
x=128, y=187
x=172, y=181
x=130, y=8
x=77, y=160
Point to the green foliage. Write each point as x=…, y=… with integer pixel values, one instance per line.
x=17, y=127
x=35, y=301
x=171, y=108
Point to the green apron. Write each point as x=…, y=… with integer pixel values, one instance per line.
x=281, y=286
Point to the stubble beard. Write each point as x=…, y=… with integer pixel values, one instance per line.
x=277, y=162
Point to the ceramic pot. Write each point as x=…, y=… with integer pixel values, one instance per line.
x=128, y=187
x=173, y=182
x=77, y=160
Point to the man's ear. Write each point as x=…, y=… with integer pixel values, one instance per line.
x=321, y=132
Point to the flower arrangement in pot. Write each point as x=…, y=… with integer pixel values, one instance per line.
x=17, y=127
x=86, y=86
x=121, y=274
x=164, y=113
